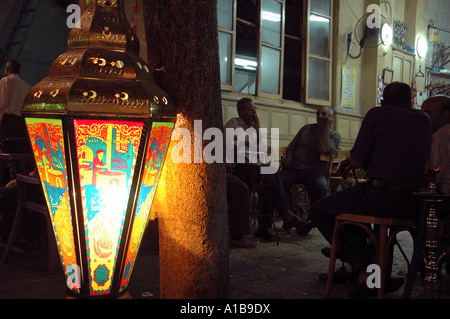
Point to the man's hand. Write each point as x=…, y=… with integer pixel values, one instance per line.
x=344, y=168
x=347, y=165
x=325, y=123
x=254, y=121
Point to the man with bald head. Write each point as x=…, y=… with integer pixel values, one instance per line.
x=438, y=108
x=302, y=164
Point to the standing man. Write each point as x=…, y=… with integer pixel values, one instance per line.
x=12, y=94
x=393, y=146
x=438, y=108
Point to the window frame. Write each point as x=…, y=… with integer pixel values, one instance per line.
x=307, y=56
x=232, y=32
x=259, y=91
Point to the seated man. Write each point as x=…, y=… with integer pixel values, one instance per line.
x=13, y=90
x=302, y=164
x=13, y=131
x=250, y=174
x=238, y=216
x=393, y=146
x=438, y=108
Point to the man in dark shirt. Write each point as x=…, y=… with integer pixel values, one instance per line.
x=302, y=164
x=393, y=146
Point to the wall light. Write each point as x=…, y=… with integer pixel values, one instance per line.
x=422, y=47
x=386, y=34
x=99, y=146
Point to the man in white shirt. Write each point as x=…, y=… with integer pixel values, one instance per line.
x=249, y=173
x=13, y=91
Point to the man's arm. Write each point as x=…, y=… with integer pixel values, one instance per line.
x=287, y=160
x=4, y=97
x=347, y=165
x=324, y=137
x=324, y=141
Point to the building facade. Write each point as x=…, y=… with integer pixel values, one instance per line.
x=293, y=56
x=290, y=56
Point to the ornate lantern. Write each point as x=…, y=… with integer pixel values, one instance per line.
x=99, y=128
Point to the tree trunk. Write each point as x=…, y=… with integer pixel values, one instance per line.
x=190, y=202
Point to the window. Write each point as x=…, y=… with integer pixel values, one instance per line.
x=292, y=76
x=271, y=46
x=225, y=20
x=264, y=49
x=319, y=52
x=246, y=59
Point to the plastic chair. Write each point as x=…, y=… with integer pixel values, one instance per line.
x=382, y=231
x=24, y=184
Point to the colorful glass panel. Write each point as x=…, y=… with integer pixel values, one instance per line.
x=47, y=141
x=106, y=152
x=154, y=159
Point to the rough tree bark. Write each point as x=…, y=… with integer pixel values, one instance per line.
x=191, y=199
